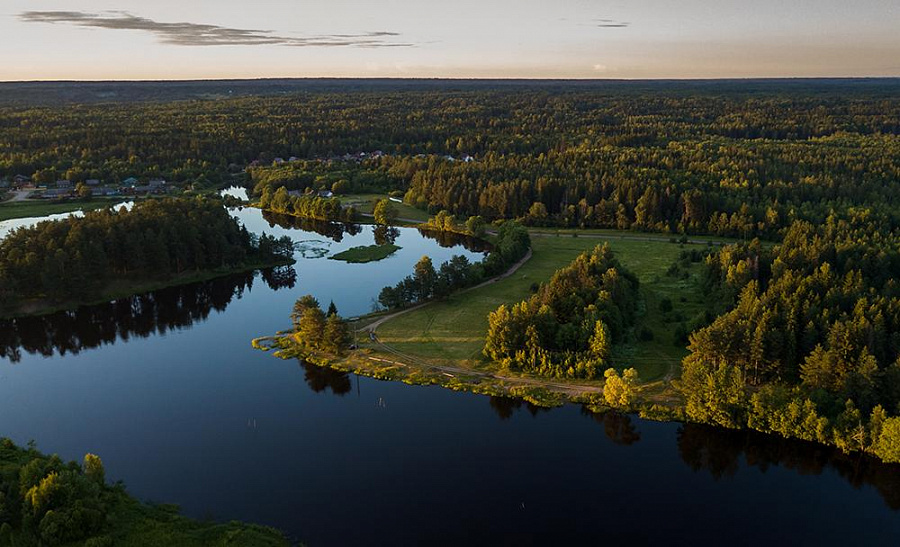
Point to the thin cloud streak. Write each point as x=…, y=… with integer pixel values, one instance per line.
x=610, y=23
x=196, y=34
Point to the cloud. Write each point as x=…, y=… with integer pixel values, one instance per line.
x=610, y=23
x=195, y=34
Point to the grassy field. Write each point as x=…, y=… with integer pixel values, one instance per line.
x=26, y=209
x=453, y=330
x=367, y=253
x=365, y=203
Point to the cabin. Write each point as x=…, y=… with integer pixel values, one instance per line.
x=104, y=191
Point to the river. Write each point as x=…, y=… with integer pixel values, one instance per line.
x=167, y=390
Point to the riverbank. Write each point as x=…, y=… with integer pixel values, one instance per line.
x=98, y=513
x=126, y=288
x=440, y=342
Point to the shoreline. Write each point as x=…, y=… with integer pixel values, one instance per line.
x=138, y=287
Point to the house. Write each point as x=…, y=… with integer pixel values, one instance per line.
x=157, y=183
x=57, y=193
x=141, y=189
x=104, y=191
x=130, y=182
x=92, y=182
x=278, y=161
x=467, y=158
x=292, y=159
x=63, y=184
x=21, y=180
x=326, y=194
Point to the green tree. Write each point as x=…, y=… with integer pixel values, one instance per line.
x=475, y=225
x=311, y=328
x=83, y=191
x=336, y=334
x=620, y=391
x=887, y=446
x=600, y=342
x=425, y=277
x=93, y=468
x=385, y=213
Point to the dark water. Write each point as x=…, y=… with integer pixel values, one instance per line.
x=166, y=388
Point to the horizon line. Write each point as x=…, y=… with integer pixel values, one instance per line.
x=446, y=79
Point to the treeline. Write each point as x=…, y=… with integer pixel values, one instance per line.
x=336, y=176
x=511, y=245
x=309, y=206
x=567, y=328
x=78, y=257
x=690, y=185
x=810, y=347
x=713, y=161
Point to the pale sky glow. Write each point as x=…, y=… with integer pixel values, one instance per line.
x=182, y=39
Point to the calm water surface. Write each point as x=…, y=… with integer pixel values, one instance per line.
x=166, y=388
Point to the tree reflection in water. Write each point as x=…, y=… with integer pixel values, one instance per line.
x=722, y=452
x=505, y=407
x=320, y=379
x=140, y=316
x=332, y=230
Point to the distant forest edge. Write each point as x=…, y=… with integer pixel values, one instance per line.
x=57, y=92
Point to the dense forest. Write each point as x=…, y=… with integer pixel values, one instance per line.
x=568, y=326
x=809, y=346
x=718, y=160
x=77, y=258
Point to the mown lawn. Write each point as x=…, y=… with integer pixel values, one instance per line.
x=453, y=330
x=365, y=203
x=27, y=209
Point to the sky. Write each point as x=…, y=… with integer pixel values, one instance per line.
x=208, y=39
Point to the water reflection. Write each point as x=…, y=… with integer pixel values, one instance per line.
x=321, y=379
x=385, y=235
x=141, y=316
x=452, y=239
x=280, y=277
x=505, y=407
x=723, y=452
x=619, y=428
x=332, y=230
